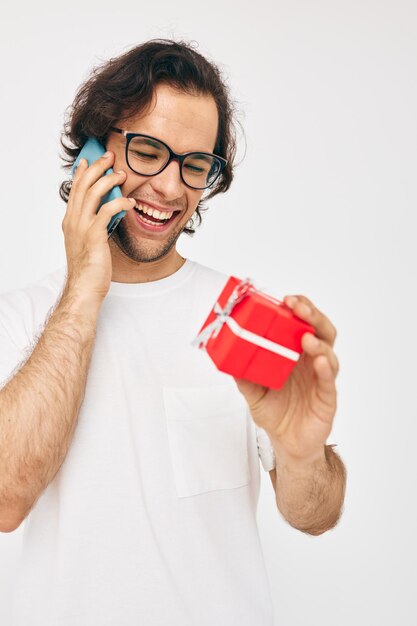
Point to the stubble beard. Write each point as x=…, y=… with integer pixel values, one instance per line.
x=143, y=250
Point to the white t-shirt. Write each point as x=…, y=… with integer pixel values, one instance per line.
x=151, y=519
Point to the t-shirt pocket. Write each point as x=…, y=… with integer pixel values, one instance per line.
x=207, y=434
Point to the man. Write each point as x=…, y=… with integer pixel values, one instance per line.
x=133, y=460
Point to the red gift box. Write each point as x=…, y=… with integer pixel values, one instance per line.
x=252, y=335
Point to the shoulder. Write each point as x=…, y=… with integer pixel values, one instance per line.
x=211, y=273
x=209, y=278
x=23, y=309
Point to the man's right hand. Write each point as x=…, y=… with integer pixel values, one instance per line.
x=86, y=240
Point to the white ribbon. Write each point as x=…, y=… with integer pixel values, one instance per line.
x=223, y=316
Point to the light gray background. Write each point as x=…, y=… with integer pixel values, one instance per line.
x=323, y=204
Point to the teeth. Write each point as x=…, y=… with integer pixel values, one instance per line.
x=154, y=212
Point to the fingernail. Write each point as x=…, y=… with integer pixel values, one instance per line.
x=291, y=300
x=107, y=154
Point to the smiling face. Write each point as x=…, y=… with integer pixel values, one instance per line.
x=186, y=123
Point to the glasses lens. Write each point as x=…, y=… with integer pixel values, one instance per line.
x=148, y=156
x=200, y=170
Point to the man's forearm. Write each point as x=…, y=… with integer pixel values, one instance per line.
x=310, y=495
x=39, y=406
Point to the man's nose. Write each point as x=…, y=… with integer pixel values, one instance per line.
x=168, y=182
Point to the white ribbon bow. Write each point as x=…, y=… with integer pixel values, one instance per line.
x=223, y=316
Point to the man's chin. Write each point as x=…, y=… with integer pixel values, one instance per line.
x=142, y=250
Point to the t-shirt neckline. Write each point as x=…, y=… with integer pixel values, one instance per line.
x=155, y=286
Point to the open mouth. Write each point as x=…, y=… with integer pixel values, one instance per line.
x=149, y=222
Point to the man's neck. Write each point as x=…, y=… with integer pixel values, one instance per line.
x=131, y=272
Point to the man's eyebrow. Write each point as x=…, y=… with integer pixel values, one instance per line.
x=155, y=143
x=151, y=142
x=202, y=157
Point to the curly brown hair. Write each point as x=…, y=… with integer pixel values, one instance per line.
x=123, y=87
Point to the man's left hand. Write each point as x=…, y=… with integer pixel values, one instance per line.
x=298, y=417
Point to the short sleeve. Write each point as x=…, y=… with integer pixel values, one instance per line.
x=265, y=449
x=24, y=313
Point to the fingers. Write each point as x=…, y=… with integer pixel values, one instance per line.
x=323, y=326
x=326, y=367
x=95, y=170
x=106, y=213
x=94, y=196
x=316, y=347
x=68, y=217
x=90, y=185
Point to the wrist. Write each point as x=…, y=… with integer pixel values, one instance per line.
x=80, y=302
x=299, y=462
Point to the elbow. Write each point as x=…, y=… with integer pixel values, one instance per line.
x=312, y=531
x=9, y=521
x=8, y=528
x=320, y=528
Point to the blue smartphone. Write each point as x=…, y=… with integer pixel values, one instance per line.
x=93, y=150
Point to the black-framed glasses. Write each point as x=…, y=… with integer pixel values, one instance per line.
x=148, y=156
